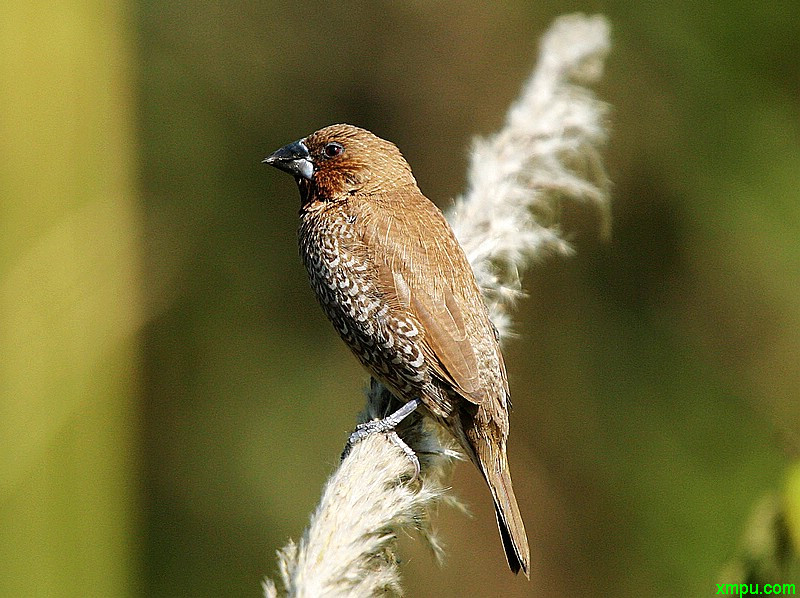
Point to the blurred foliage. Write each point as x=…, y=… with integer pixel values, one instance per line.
x=655, y=379
x=69, y=310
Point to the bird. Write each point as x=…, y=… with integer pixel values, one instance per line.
x=391, y=276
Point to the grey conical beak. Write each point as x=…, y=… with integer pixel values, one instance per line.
x=294, y=159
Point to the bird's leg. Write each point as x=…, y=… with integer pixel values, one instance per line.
x=387, y=426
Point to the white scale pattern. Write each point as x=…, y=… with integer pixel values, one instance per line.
x=346, y=290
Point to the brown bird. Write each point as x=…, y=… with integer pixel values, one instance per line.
x=391, y=276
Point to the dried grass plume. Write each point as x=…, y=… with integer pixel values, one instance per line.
x=548, y=152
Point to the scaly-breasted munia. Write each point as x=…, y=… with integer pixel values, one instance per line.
x=391, y=276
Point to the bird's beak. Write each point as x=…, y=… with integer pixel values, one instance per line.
x=294, y=159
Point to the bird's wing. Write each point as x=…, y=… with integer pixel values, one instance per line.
x=420, y=264
x=446, y=343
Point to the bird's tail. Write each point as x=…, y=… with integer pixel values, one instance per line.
x=489, y=455
x=509, y=520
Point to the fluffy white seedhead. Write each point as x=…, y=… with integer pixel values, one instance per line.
x=546, y=153
x=348, y=549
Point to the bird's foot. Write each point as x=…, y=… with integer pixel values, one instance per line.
x=395, y=439
x=387, y=426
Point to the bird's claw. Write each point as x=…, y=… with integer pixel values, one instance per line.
x=395, y=439
x=387, y=426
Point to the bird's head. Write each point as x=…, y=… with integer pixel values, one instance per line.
x=342, y=160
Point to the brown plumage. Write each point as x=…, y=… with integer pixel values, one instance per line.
x=397, y=286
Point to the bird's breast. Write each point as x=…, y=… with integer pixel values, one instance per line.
x=343, y=277
x=338, y=270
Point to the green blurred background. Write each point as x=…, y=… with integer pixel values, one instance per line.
x=172, y=398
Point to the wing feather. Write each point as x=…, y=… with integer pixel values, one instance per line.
x=421, y=278
x=446, y=342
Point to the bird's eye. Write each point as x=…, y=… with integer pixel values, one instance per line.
x=333, y=149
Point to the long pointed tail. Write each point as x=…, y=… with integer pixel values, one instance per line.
x=509, y=520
